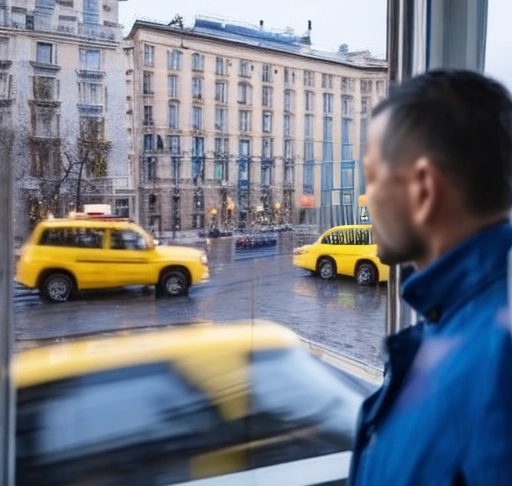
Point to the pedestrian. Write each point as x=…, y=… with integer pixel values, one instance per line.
x=438, y=171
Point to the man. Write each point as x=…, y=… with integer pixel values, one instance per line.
x=438, y=174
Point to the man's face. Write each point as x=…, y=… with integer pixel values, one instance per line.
x=387, y=189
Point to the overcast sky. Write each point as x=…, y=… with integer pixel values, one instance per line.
x=359, y=23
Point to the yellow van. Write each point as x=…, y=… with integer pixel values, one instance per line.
x=343, y=250
x=175, y=405
x=64, y=256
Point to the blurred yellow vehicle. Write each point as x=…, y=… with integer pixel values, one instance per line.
x=343, y=250
x=175, y=405
x=85, y=252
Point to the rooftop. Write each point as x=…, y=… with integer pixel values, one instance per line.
x=285, y=41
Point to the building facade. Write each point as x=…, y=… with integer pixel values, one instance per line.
x=62, y=79
x=233, y=125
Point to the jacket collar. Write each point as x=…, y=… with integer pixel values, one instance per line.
x=460, y=272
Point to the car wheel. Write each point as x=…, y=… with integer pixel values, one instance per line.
x=327, y=269
x=57, y=287
x=174, y=283
x=366, y=274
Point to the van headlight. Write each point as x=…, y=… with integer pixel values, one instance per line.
x=204, y=259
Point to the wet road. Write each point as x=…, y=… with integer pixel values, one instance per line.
x=244, y=284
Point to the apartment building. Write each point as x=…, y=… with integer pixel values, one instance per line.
x=235, y=124
x=62, y=80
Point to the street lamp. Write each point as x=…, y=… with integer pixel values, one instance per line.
x=277, y=208
x=176, y=209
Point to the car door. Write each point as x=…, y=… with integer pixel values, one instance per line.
x=128, y=258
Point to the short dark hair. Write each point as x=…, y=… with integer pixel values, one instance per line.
x=462, y=120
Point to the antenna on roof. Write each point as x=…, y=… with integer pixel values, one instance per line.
x=178, y=21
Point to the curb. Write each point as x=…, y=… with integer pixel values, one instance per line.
x=356, y=368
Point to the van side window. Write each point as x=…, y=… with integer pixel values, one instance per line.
x=126, y=240
x=348, y=236
x=73, y=237
x=363, y=236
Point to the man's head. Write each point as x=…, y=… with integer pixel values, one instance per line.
x=438, y=165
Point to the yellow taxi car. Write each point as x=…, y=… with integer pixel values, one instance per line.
x=343, y=250
x=179, y=404
x=85, y=252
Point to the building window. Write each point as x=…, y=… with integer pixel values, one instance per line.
x=46, y=122
x=221, y=159
x=45, y=53
x=380, y=86
x=347, y=106
x=366, y=105
x=197, y=62
x=267, y=148
x=46, y=88
x=197, y=118
x=266, y=96
x=244, y=152
x=148, y=115
x=149, y=142
x=91, y=11
x=4, y=47
x=309, y=78
x=289, y=174
x=174, y=144
x=327, y=81
x=309, y=98
x=347, y=84
x=289, y=150
x=174, y=60
x=366, y=86
x=147, y=83
x=244, y=68
x=346, y=145
x=149, y=55
x=289, y=77
x=151, y=168
x=244, y=120
x=174, y=116
x=288, y=126
x=222, y=147
x=5, y=86
x=221, y=66
x=197, y=152
x=176, y=168
x=328, y=102
x=221, y=116
x=327, y=137
x=288, y=100
x=266, y=73
x=90, y=59
x=221, y=92
x=244, y=94
x=308, y=126
x=90, y=93
x=172, y=86
x=92, y=129
x=267, y=122
x=197, y=88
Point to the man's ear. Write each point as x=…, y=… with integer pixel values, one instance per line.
x=426, y=190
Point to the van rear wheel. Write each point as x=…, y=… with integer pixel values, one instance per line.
x=57, y=287
x=366, y=274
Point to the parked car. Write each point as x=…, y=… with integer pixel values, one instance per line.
x=179, y=404
x=343, y=250
x=84, y=252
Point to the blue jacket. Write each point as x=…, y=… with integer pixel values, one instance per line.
x=443, y=416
